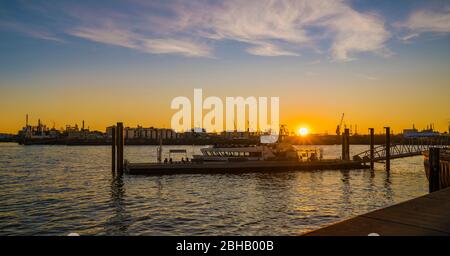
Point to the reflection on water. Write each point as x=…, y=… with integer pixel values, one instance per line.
x=58, y=189
x=118, y=223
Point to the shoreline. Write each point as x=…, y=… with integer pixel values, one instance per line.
x=379, y=139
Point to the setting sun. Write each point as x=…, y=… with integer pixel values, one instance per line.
x=303, y=131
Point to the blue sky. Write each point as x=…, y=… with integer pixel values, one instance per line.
x=242, y=45
x=338, y=30
x=68, y=34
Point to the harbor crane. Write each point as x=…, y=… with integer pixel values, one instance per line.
x=339, y=126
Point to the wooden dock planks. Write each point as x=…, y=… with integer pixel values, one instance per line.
x=428, y=215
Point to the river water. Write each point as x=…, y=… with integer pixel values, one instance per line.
x=55, y=190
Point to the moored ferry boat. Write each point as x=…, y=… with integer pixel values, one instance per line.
x=280, y=151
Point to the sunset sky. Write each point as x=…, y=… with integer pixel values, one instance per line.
x=382, y=63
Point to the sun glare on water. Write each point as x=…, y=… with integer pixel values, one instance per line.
x=303, y=131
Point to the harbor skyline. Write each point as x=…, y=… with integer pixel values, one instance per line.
x=297, y=131
x=65, y=62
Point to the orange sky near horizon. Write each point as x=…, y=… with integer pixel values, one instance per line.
x=381, y=64
x=102, y=102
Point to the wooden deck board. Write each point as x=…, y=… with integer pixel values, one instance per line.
x=422, y=213
x=426, y=215
x=363, y=226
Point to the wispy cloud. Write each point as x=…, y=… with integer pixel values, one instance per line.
x=421, y=21
x=105, y=34
x=121, y=37
x=268, y=49
x=408, y=37
x=269, y=26
x=182, y=46
x=356, y=32
x=429, y=21
x=31, y=31
x=266, y=27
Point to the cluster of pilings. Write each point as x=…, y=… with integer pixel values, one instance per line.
x=433, y=161
x=117, y=141
x=346, y=147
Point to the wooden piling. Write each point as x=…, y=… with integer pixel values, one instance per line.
x=388, y=148
x=372, y=130
x=120, y=142
x=113, y=149
x=434, y=167
x=343, y=146
x=346, y=145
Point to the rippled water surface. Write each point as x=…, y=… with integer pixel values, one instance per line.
x=55, y=190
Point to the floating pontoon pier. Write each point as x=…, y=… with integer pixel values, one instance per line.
x=236, y=167
x=278, y=157
x=261, y=158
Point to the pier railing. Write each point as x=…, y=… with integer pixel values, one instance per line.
x=410, y=147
